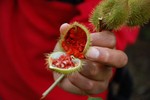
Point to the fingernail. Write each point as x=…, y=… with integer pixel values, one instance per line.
x=92, y=53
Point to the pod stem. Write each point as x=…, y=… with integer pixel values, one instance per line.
x=52, y=86
x=101, y=26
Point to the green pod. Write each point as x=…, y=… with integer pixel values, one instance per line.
x=74, y=42
x=60, y=65
x=139, y=12
x=113, y=13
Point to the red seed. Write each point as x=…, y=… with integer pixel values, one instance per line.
x=75, y=41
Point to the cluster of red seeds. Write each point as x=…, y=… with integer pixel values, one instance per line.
x=75, y=42
x=64, y=61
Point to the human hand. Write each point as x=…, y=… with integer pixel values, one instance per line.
x=97, y=68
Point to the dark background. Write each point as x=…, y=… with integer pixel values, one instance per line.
x=139, y=65
x=133, y=81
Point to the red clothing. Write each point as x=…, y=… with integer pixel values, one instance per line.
x=28, y=30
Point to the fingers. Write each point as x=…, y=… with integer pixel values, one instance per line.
x=96, y=71
x=79, y=84
x=86, y=85
x=63, y=28
x=107, y=56
x=68, y=86
x=103, y=39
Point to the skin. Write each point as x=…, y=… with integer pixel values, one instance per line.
x=96, y=73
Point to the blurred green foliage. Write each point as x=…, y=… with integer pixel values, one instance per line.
x=94, y=98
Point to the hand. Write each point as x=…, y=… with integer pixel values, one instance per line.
x=97, y=69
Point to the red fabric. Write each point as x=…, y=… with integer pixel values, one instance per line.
x=28, y=30
x=126, y=36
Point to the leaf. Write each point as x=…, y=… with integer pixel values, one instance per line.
x=94, y=98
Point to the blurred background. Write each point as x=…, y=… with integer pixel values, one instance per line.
x=139, y=65
x=133, y=81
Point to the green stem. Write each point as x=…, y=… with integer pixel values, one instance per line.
x=52, y=86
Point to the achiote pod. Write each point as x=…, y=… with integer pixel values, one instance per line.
x=113, y=14
x=74, y=43
x=139, y=12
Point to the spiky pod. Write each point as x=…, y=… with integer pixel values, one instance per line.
x=114, y=14
x=139, y=12
x=74, y=43
x=58, y=64
x=75, y=40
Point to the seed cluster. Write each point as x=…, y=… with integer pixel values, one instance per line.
x=64, y=61
x=75, y=42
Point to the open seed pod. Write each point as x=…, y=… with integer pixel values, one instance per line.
x=74, y=43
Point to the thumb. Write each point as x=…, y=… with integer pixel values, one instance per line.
x=63, y=27
x=111, y=57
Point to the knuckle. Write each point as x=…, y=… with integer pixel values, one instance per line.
x=94, y=70
x=123, y=59
x=111, y=38
x=107, y=74
x=100, y=87
x=110, y=75
x=104, y=86
x=89, y=86
x=113, y=41
x=106, y=55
